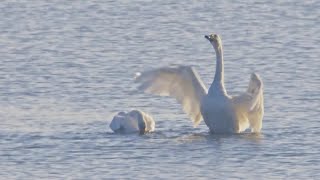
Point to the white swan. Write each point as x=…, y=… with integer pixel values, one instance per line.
x=132, y=122
x=221, y=112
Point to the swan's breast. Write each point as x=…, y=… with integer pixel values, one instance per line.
x=218, y=114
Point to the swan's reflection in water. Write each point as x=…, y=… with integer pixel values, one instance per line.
x=220, y=138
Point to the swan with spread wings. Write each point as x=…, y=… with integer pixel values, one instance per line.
x=221, y=112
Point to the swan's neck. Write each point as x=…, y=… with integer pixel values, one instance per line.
x=219, y=76
x=218, y=82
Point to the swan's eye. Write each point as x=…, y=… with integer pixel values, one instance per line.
x=215, y=36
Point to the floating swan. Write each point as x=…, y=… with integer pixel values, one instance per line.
x=132, y=122
x=221, y=112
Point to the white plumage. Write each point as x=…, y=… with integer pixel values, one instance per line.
x=222, y=113
x=135, y=121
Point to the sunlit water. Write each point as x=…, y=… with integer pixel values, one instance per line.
x=67, y=67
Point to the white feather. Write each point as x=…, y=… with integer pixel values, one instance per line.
x=182, y=83
x=221, y=112
x=132, y=122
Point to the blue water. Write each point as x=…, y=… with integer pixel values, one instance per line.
x=67, y=67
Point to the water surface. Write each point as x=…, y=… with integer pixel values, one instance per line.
x=67, y=67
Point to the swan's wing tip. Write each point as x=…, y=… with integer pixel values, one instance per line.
x=195, y=124
x=256, y=77
x=196, y=119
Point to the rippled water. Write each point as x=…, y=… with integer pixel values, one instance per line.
x=67, y=67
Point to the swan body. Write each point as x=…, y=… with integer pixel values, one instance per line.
x=217, y=113
x=221, y=112
x=135, y=121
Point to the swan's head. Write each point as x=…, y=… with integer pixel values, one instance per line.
x=214, y=39
x=136, y=114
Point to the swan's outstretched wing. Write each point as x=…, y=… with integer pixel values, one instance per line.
x=182, y=83
x=250, y=104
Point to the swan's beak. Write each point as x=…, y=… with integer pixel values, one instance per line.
x=209, y=37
